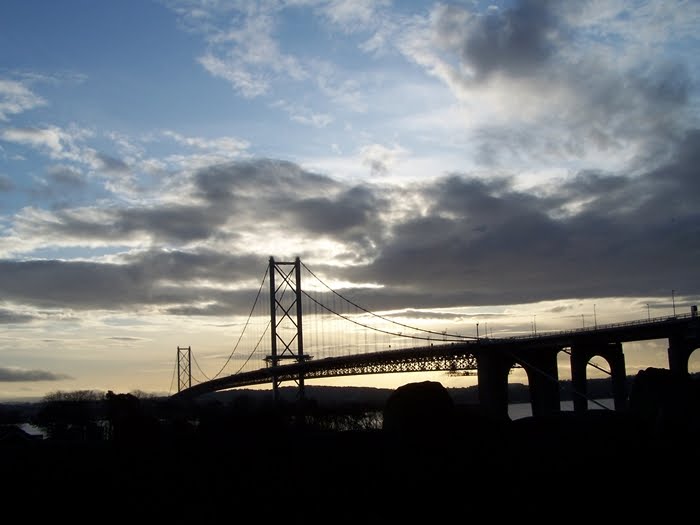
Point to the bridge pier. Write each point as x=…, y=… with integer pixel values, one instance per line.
x=613, y=354
x=543, y=379
x=680, y=346
x=492, y=374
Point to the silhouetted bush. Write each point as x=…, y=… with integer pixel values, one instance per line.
x=667, y=403
x=419, y=410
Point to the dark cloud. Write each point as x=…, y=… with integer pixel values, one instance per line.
x=180, y=266
x=516, y=40
x=112, y=165
x=66, y=177
x=486, y=243
x=162, y=279
x=173, y=222
x=216, y=309
x=609, y=112
x=578, y=103
x=268, y=178
x=475, y=241
x=8, y=375
x=63, y=186
x=10, y=317
x=352, y=217
x=181, y=223
x=666, y=83
x=236, y=197
x=560, y=309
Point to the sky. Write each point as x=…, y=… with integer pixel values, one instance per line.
x=521, y=163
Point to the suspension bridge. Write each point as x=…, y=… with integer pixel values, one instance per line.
x=296, y=333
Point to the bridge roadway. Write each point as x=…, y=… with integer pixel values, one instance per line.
x=493, y=358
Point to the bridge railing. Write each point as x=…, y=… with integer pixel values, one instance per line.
x=598, y=327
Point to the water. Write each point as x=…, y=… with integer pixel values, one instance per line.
x=31, y=429
x=520, y=410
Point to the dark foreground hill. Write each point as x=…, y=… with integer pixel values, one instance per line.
x=602, y=462
x=433, y=459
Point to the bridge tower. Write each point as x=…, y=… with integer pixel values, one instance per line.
x=184, y=367
x=286, y=319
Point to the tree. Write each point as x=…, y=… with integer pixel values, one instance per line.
x=71, y=415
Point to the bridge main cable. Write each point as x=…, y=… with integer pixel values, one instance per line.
x=424, y=330
x=250, y=315
x=398, y=334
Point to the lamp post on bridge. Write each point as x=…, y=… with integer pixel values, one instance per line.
x=648, y=313
x=583, y=321
x=673, y=300
x=595, y=319
x=477, y=331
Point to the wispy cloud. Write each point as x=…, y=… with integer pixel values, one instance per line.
x=381, y=159
x=244, y=49
x=352, y=15
x=304, y=115
x=56, y=142
x=15, y=98
x=247, y=83
x=222, y=146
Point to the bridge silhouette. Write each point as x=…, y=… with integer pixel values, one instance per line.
x=298, y=333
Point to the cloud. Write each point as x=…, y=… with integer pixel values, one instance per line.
x=307, y=203
x=486, y=242
x=16, y=98
x=304, y=115
x=224, y=145
x=111, y=165
x=226, y=199
x=449, y=241
x=428, y=314
x=380, y=159
x=12, y=317
x=352, y=15
x=62, y=183
x=646, y=25
x=66, y=176
x=146, y=281
x=353, y=218
x=6, y=183
x=245, y=53
x=244, y=179
x=218, y=202
x=535, y=84
x=56, y=142
x=515, y=41
x=246, y=47
x=341, y=89
x=51, y=138
x=10, y=375
x=248, y=84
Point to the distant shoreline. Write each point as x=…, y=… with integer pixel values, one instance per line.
x=597, y=388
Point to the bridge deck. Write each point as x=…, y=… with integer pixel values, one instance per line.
x=452, y=356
